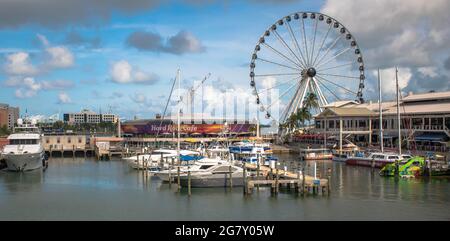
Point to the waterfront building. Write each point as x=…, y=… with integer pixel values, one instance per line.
x=190, y=125
x=89, y=117
x=65, y=142
x=8, y=115
x=425, y=122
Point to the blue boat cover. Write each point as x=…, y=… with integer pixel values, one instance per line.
x=190, y=158
x=431, y=137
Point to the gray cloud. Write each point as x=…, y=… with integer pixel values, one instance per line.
x=182, y=43
x=145, y=41
x=422, y=83
x=74, y=38
x=394, y=33
x=447, y=63
x=56, y=13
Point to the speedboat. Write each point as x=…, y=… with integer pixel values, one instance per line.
x=24, y=151
x=316, y=154
x=214, y=176
x=157, y=158
x=197, y=166
x=377, y=160
x=254, y=159
x=250, y=148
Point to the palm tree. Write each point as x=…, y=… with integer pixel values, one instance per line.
x=303, y=115
x=311, y=101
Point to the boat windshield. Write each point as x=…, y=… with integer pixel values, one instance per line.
x=23, y=142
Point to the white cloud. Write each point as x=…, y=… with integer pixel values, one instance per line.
x=28, y=88
x=123, y=73
x=428, y=71
x=60, y=57
x=44, y=41
x=268, y=82
x=19, y=64
x=388, y=79
x=64, y=98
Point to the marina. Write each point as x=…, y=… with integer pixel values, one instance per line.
x=86, y=189
x=236, y=111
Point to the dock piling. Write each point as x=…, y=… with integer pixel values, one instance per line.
x=189, y=182
x=178, y=177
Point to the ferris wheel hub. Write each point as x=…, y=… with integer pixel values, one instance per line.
x=311, y=72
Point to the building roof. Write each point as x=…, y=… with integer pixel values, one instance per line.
x=427, y=96
x=341, y=103
x=347, y=111
x=414, y=104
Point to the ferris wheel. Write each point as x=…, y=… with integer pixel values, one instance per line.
x=302, y=53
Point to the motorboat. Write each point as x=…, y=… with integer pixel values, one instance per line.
x=196, y=166
x=376, y=159
x=24, y=151
x=214, y=176
x=310, y=154
x=159, y=157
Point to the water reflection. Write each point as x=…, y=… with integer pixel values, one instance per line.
x=80, y=189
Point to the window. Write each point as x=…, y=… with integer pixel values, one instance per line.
x=58, y=140
x=203, y=167
x=24, y=142
x=79, y=140
x=362, y=123
x=69, y=140
x=417, y=122
x=331, y=124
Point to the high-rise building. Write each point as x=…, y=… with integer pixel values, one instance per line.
x=90, y=117
x=8, y=115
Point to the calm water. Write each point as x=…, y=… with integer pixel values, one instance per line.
x=78, y=189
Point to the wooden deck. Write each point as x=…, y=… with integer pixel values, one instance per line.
x=276, y=178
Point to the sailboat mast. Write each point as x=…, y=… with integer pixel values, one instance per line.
x=178, y=116
x=398, y=113
x=381, y=113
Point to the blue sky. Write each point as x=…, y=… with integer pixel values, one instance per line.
x=69, y=63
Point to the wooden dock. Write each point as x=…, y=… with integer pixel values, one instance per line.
x=276, y=178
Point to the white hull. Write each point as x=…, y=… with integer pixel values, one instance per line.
x=23, y=162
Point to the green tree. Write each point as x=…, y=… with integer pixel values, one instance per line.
x=311, y=101
x=4, y=131
x=303, y=115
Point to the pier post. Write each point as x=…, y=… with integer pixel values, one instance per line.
x=276, y=181
x=257, y=172
x=297, y=188
x=178, y=177
x=189, y=182
x=138, y=164
x=328, y=181
x=231, y=177
x=245, y=178
x=303, y=179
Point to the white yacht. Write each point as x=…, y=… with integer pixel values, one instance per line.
x=24, y=151
x=215, y=176
x=376, y=159
x=148, y=161
x=197, y=166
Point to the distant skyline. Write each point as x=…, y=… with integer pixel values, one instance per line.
x=65, y=56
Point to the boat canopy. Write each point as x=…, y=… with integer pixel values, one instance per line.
x=190, y=158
